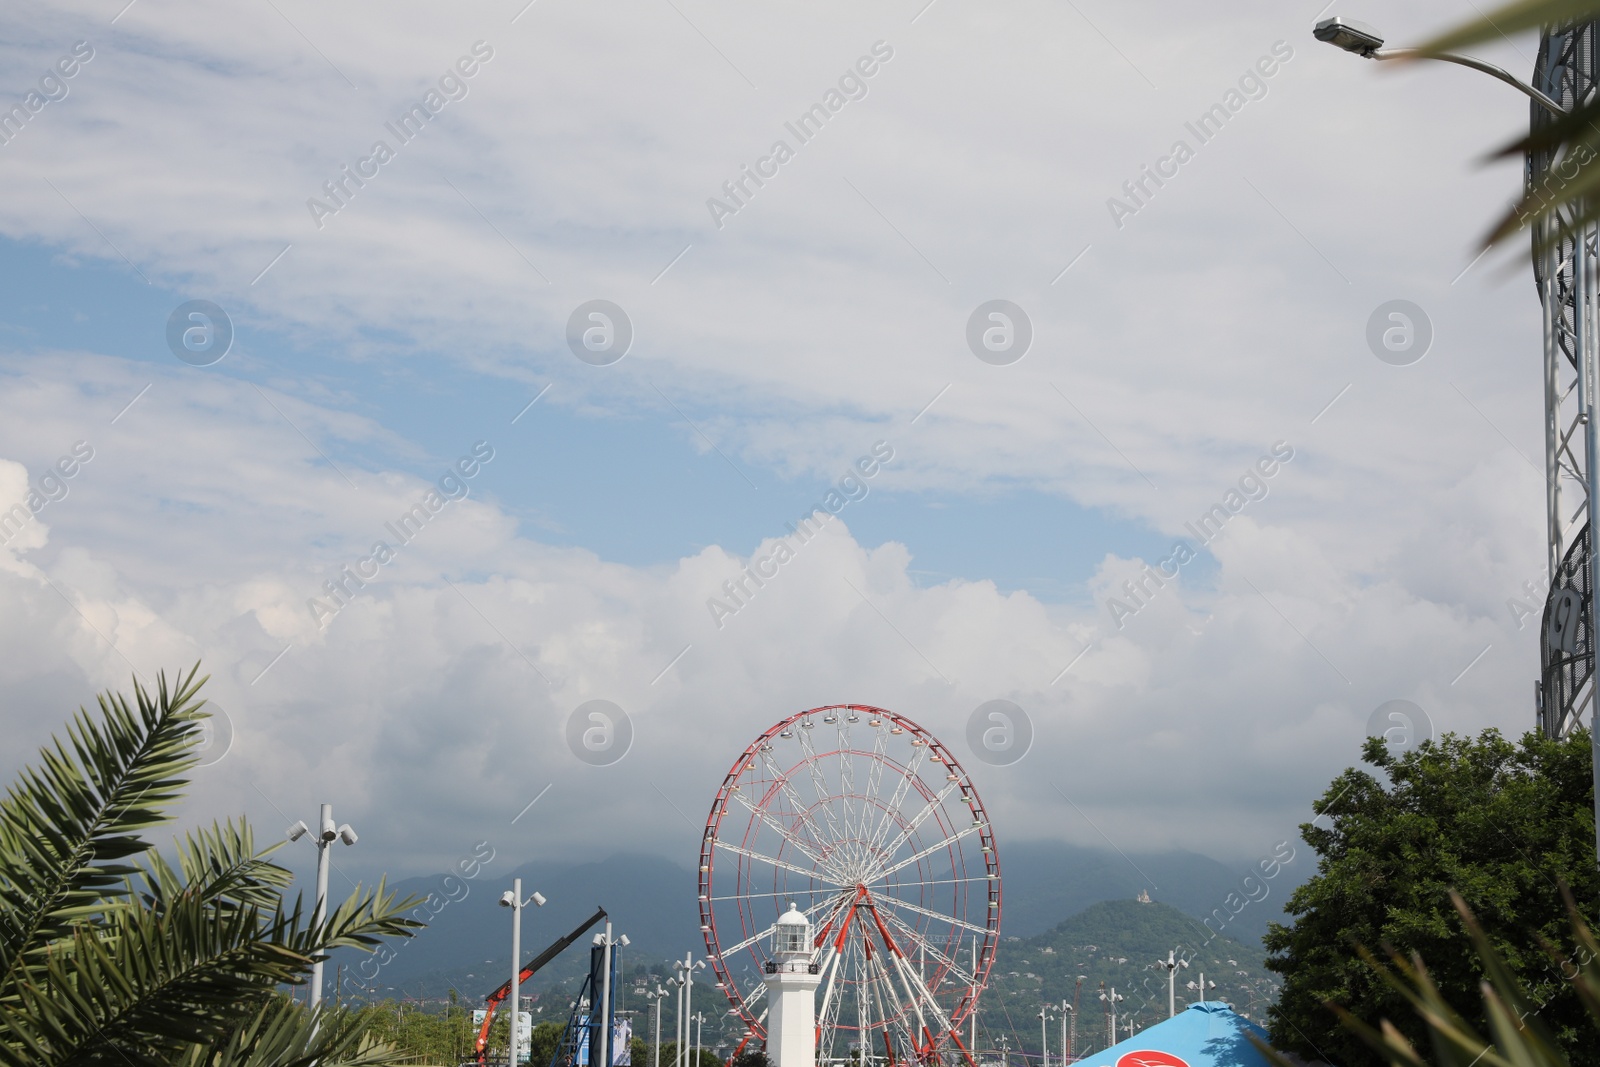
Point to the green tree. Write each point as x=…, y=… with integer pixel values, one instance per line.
x=113, y=953
x=1520, y=1036
x=542, y=1045
x=1501, y=823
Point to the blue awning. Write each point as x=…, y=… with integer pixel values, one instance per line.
x=1209, y=1034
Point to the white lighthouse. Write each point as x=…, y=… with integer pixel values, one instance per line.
x=792, y=994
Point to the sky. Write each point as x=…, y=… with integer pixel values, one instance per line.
x=376, y=324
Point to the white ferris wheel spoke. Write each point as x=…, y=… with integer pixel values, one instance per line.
x=902, y=787
x=896, y=902
x=818, y=875
x=930, y=850
x=819, y=784
x=911, y=827
x=789, y=792
x=880, y=752
x=778, y=828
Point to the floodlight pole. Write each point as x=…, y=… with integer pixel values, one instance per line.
x=516, y=970
x=325, y=836
x=324, y=818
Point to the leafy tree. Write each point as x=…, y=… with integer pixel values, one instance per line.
x=1520, y=1036
x=751, y=1058
x=113, y=953
x=1503, y=824
x=542, y=1045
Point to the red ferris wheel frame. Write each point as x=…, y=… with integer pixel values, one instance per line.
x=920, y=1040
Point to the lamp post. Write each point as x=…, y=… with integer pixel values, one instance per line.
x=1111, y=1007
x=1200, y=988
x=699, y=1033
x=685, y=968
x=326, y=833
x=1565, y=270
x=1044, y=1041
x=512, y=898
x=1172, y=963
x=655, y=1054
x=607, y=945
x=677, y=1022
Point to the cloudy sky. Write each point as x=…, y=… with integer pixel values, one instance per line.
x=411, y=321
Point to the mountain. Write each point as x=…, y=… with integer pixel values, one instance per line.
x=1046, y=881
x=1123, y=944
x=652, y=900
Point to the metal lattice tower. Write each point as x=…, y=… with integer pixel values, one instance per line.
x=1565, y=272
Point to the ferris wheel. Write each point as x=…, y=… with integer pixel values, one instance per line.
x=869, y=825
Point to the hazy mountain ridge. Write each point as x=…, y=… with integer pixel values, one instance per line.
x=652, y=900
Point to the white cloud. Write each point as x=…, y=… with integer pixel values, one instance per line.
x=433, y=712
x=1221, y=319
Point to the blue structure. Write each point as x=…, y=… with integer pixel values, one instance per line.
x=1209, y=1034
x=582, y=1031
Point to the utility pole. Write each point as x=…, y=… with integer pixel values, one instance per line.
x=1044, y=1041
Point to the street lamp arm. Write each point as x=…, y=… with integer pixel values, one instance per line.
x=1476, y=64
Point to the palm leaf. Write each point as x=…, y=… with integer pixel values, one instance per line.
x=1513, y=18
x=68, y=824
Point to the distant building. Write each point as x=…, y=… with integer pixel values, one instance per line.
x=1143, y=897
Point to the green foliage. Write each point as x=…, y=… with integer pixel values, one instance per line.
x=443, y=1037
x=1503, y=824
x=110, y=952
x=1521, y=1036
x=669, y=1054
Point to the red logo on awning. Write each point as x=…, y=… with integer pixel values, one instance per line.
x=1150, y=1058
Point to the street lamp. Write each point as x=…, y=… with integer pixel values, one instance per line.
x=512, y=898
x=1566, y=64
x=685, y=968
x=326, y=834
x=655, y=1055
x=607, y=944
x=1044, y=1042
x=1362, y=40
x=1111, y=1000
x=1172, y=963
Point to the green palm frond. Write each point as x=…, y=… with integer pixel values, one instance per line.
x=111, y=952
x=1513, y=18
x=68, y=824
x=1563, y=198
x=218, y=864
